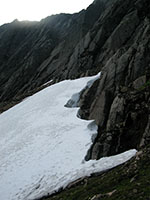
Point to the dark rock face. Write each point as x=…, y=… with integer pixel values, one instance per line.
x=120, y=104
x=33, y=53
x=126, y=126
x=111, y=36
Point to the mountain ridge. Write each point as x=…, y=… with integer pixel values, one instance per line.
x=111, y=37
x=37, y=45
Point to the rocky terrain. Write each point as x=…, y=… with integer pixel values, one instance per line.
x=33, y=53
x=120, y=99
x=112, y=36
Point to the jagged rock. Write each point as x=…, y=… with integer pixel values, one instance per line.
x=116, y=113
x=112, y=36
x=120, y=105
x=33, y=53
x=127, y=125
x=139, y=82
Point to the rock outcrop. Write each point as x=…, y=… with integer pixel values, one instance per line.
x=111, y=36
x=33, y=53
x=120, y=103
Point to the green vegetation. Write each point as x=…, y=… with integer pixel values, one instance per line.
x=130, y=181
x=146, y=85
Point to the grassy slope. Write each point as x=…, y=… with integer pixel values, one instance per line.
x=130, y=181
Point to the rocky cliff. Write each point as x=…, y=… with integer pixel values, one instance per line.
x=111, y=36
x=120, y=99
x=33, y=53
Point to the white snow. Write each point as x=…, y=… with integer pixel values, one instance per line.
x=43, y=144
x=74, y=100
x=47, y=82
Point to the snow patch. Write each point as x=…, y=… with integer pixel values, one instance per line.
x=48, y=82
x=74, y=101
x=43, y=144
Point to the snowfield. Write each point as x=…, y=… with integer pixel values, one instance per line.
x=43, y=144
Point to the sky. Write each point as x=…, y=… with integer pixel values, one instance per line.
x=35, y=10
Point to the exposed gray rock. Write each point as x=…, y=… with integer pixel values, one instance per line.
x=123, y=31
x=116, y=113
x=74, y=101
x=77, y=98
x=139, y=82
x=120, y=103
x=33, y=53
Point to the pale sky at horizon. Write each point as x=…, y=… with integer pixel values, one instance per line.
x=35, y=10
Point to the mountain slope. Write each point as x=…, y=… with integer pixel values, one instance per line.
x=128, y=181
x=120, y=103
x=43, y=144
x=33, y=53
x=111, y=37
